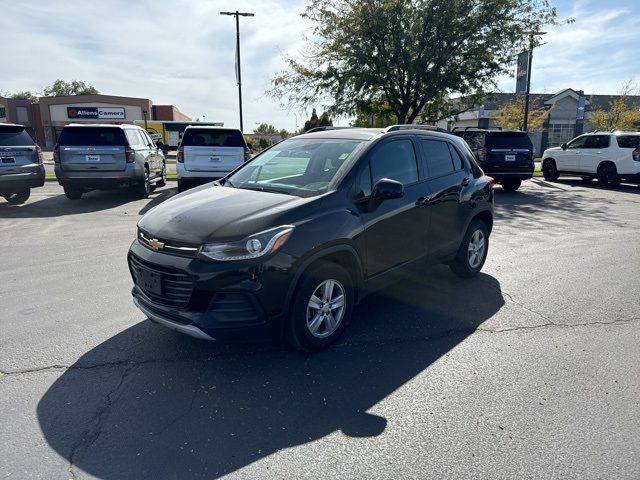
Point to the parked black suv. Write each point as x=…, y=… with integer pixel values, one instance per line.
x=293, y=239
x=505, y=155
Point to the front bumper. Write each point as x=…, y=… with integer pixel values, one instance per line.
x=14, y=182
x=222, y=301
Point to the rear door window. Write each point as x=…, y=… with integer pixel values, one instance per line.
x=629, y=141
x=14, y=137
x=438, y=156
x=94, y=136
x=504, y=140
x=201, y=137
x=597, y=141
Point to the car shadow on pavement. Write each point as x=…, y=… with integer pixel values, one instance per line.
x=182, y=408
x=94, y=201
x=576, y=182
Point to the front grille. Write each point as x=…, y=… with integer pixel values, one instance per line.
x=172, y=247
x=166, y=286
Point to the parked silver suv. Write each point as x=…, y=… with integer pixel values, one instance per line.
x=21, y=167
x=104, y=157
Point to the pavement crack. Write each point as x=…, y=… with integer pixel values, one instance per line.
x=189, y=409
x=88, y=438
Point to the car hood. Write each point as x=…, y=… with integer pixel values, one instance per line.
x=216, y=213
x=552, y=149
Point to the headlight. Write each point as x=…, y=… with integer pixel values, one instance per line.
x=253, y=246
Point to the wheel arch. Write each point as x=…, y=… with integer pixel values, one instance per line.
x=606, y=162
x=342, y=255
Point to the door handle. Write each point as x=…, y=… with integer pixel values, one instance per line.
x=465, y=182
x=424, y=201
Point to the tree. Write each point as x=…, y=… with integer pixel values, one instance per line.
x=266, y=129
x=511, y=115
x=60, y=88
x=412, y=54
x=312, y=122
x=375, y=113
x=284, y=133
x=623, y=114
x=26, y=95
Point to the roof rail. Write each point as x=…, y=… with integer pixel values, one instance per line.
x=322, y=129
x=413, y=126
x=475, y=128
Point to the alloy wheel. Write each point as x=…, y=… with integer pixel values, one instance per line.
x=477, y=245
x=326, y=308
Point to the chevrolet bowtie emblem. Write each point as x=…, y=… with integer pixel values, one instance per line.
x=155, y=244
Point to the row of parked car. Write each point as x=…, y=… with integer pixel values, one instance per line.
x=104, y=157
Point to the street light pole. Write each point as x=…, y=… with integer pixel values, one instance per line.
x=525, y=123
x=237, y=14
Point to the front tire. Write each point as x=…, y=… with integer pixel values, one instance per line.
x=608, y=176
x=18, y=198
x=511, y=185
x=550, y=171
x=322, y=307
x=163, y=176
x=473, y=250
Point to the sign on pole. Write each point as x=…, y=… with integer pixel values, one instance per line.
x=582, y=102
x=521, y=72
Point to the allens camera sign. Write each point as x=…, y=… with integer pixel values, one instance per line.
x=104, y=113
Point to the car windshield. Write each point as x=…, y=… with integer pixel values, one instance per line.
x=14, y=137
x=303, y=167
x=94, y=136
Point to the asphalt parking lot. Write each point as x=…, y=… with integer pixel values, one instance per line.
x=531, y=370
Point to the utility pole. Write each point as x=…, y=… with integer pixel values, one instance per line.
x=238, y=14
x=525, y=123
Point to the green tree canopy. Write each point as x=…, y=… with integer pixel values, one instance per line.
x=26, y=95
x=314, y=121
x=411, y=54
x=266, y=129
x=60, y=88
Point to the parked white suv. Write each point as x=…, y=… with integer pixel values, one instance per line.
x=209, y=153
x=611, y=157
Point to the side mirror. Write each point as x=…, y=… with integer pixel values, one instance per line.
x=563, y=146
x=385, y=189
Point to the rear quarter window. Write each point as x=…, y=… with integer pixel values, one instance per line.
x=629, y=141
x=15, y=137
x=79, y=136
x=212, y=138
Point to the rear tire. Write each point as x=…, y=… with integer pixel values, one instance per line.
x=143, y=189
x=18, y=198
x=318, y=317
x=511, y=185
x=181, y=187
x=608, y=176
x=163, y=176
x=73, y=193
x=550, y=171
x=473, y=250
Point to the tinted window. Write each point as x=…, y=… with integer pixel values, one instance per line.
x=201, y=137
x=301, y=166
x=395, y=160
x=597, y=141
x=14, y=137
x=458, y=163
x=438, y=157
x=99, y=136
x=629, y=141
x=577, y=143
x=144, y=138
x=133, y=137
x=364, y=182
x=508, y=140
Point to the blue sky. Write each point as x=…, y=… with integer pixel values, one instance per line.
x=182, y=51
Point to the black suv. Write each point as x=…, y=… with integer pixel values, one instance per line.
x=289, y=242
x=505, y=155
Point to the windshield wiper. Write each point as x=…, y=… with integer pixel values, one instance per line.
x=258, y=188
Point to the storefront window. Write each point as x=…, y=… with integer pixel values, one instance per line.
x=560, y=133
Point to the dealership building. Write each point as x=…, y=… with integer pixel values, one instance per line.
x=46, y=119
